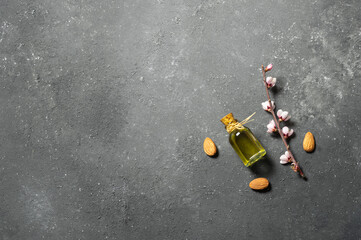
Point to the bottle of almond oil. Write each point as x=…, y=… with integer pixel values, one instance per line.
x=243, y=141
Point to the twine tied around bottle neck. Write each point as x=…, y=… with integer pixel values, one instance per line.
x=238, y=125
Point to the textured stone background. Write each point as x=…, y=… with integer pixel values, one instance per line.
x=104, y=107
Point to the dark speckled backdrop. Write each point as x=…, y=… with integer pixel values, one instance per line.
x=104, y=106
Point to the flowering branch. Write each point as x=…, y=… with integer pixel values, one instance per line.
x=274, y=125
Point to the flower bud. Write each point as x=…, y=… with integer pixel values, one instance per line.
x=266, y=105
x=287, y=132
x=271, y=127
x=283, y=115
x=285, y=158
x=269, y=67
x=270, y=81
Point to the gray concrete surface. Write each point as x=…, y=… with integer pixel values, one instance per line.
x=104, y=106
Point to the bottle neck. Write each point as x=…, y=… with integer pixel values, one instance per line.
x=233, y=126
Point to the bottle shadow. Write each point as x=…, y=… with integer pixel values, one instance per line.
x=262, y=168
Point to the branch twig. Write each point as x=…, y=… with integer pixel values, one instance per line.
x=295, y=165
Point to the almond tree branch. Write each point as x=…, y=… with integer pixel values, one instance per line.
x=295, y=166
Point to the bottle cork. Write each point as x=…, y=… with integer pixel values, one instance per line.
x=228, y=119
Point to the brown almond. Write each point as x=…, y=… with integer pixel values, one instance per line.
x=259, y=184
x=309, y=142
x=209, y=147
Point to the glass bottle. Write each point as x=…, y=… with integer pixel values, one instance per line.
x=243, y=141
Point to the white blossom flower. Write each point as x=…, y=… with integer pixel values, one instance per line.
x=266, y=106
x=285, y=158
x=287, y=132
x=271, y=82
x=283, y=115
x=271, y=127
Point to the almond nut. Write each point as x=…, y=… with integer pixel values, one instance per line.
x=309, y=142
x=259, y=184
x=209, y=147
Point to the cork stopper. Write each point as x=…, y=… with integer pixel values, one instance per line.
x=228, y=119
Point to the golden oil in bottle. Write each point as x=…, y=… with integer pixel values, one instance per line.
x=243, y=141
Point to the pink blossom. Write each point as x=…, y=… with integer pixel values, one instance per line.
x=283, y=115
x=266, y=106
x=269, y=67
x=270, y=81
x=287, y=132
x=271, y=127
x=285, y=158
